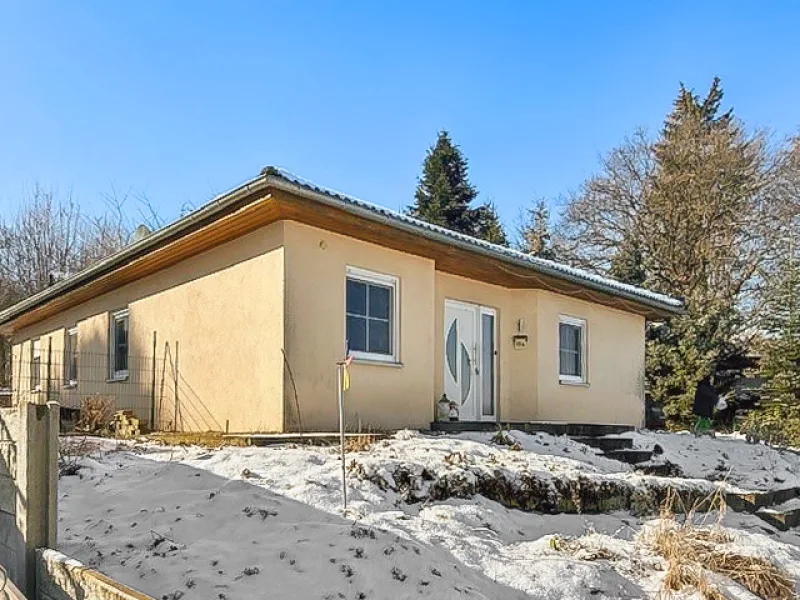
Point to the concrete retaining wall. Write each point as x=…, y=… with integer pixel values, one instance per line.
x=59, y=577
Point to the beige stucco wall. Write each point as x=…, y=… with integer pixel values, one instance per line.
x=380, y=396
x=529, y=387
x=235, y=309
x=616, y=353
x=221, y=310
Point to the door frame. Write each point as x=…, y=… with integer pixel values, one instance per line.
x=478, y=311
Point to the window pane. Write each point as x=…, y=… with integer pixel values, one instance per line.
x=487, y=362
x=380, y=299
x=36, y=372
x=72, y=357
x=570, y=350
x=451, y=347
x=356, y=297
x=121, y=344
x=569, y=363
x=566, y=337
x=357, y=333
x=379, y=337
x=466, y=374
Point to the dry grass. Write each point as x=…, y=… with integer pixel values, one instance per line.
x=693, y=552
x=206, y=439
x=360, y=443
x=95, y=414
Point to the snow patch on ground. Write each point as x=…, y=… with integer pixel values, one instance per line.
x=726, y=457
x=230, y=523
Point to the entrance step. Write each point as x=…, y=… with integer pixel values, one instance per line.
x=551, y=427
x=752, y=502
x=629, y=455
x=606, y=443
x=784, y=516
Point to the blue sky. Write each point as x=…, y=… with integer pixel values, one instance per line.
x=182, y=100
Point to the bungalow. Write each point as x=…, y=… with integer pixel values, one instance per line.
x=244, y=307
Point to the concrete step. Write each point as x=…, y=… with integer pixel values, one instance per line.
x=605, y=443
x=782, y=517
x=754, y=501
x=553, y=428
x=629, y=455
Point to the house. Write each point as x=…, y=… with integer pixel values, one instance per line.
x=234, y=317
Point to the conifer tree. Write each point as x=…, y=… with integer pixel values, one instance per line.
x=444, y=195
x=487, y=225
x=780, y=367
x=534, y=233
x=627, y=265
x=699, y=221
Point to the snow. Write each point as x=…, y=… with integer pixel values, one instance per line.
x=754, y=467
x=229, y=523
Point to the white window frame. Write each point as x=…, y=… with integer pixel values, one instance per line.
x=365, y=276
x=36, y=355
x=583, y=378
x=68, y=350
x=115, y=316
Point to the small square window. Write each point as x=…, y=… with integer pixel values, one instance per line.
x=572, y=350
x=371, y=315
x=118, y=351
x=71, y=357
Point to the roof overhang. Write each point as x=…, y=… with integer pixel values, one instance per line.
x=274, y=196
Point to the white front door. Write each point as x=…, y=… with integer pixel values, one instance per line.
x=469, y=359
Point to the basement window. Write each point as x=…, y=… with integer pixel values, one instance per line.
x=572, y=350
x=371, y=309
x=118, y=353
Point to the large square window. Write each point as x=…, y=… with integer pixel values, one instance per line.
x=371, y=315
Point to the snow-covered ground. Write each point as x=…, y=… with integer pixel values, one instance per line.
x=726, y=457
x=187, y=522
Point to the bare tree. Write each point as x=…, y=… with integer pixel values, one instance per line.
x=49, y=238
x=607, y=211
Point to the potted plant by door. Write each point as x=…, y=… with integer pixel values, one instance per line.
x=443, y=408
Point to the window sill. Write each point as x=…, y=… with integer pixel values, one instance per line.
x=118, y=379
x=377, y=362
x=584, y=384
x=71, y=385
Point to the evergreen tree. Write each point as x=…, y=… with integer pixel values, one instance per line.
x=534, y=232
x=487, y=225
x=780, y=367
x=698, y=219
x=444, y=195
x=627, y=265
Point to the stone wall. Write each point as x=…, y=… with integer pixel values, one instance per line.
x=59, y=577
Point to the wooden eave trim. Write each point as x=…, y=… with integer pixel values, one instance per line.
x=267, y=208
x=248, y=218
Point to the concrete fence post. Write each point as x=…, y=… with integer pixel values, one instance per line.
x=36, y=482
